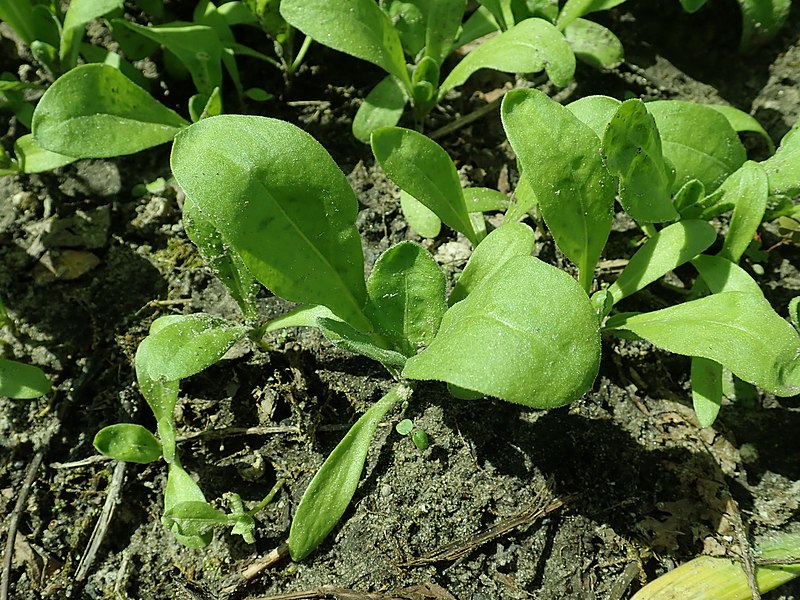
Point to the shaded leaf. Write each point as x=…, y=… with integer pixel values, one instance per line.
x=741, y=121
x=21, y=381
x=419, y=217
x=721, y=275
x=761, y=20
x=573, y=9
x=383, y=107
x=706, y=389
x=35, y=159
x=783, y=169
x=344, y=336
x=594, y=45
x=182, y=488
x=78, y=15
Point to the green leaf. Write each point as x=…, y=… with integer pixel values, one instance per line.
x=761, y=20
x=408, y=19
x=480, y=23
x=706, y=389
x=198, y=47
x=739, y=330
x=278, y=199
x=21, y=381
x=698, y=141
x=594, y=45
x=748, y=188
x=577, y=8
x=691, y=6
x=741, y=121
x=489, y=257
x=595, y=111
x=783, y=169
x=529, y=47
x=721, y=275
x=357, y=27
x=30, y=22
x=481, y=199
x=94, y=111
x=688, y=199
x=406, y=297
x=560, y=159
x=194, y=518
x=526, y=334
x=632, y=149
x=501, y=10
x=404, y=427
x=35, y=159
x=182, y=488
x=347, y=338
x=422, y=168
x=302, y=316
x=332, y=488
x=79, y=13
x=794, y=312
x=669, y=248
x=223, y=260
x=524, y=201
x=128, y=442
x=442, y=20
x=419, y=217
x=382, y=107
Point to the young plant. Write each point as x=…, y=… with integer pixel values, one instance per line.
x=18, y=380
x=389, y=32
x=761, y=19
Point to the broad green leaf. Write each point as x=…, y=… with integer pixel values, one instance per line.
x=128, y=442
x=332, y=488
x=21, y=381
x=406, y=297
x=94, y=111
x=33, y=158
x=382, y=107
x=739, y=330
x=595, y=111
x=691, y=6
x=422, y=168
x=96, y=54
x=529, y=47
x=706, y=389
x=526, y=334
x=408, y=20
x=347, y=338
x=698, y=141
x=761, y=20
x=442, y=20
x=721, y=275
x=669, y=248
x=278, y=199
x=560, y=159
x=198, y=47
x=512, y=239
x=480, y=23
x=30, y=22
x=707, y=577
x=182, y=488
x=577, y=8
x=594, y=45
x=302, y=316
x=481, y=199
x=783, y=169
x=419, y=217
x=748, y=188
x=632, y=150
x=79, y=13
x=741, y=121
x=222, y=259
x=194, y=518
x=357, y=27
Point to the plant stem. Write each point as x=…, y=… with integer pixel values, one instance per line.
x=301, y=54
x=649, y=229
x=586, y=278
x=267, y=499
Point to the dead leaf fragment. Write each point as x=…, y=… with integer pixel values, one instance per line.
x=64, y=265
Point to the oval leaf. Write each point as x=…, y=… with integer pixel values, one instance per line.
x=739, y=330
x=594, y=45
x=332, y=488
x=419, y=217
x=748, y=188
x=721, y=275
x=128, y=442
x=706, y=390
x=595, y=111
x=526, y=334
x=94, y=111
x=530, y=46
x=21, y=381
x=35, y=159
x=278, y=199
x=382, y=107
x=783, y=169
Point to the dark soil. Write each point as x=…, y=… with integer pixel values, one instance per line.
x=626, y=484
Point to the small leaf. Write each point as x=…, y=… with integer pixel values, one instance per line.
x=748, y=188
x=422, y=168
x=268, y=186
x=632, y=149
x=94, y=111
x=404, y=427
x=504, y=243
x=79, y=14
x=698, y=141
x=526, y=334
x=193, y=518
x=332, y=488
x=21, y=381
x=442, y=20
x=524, y=201
x=595, y=111
x=688, y=199
x=382, y=107
x=783, y=169
x=529, y=47
x=346, y=337
x=480, y=199
x=594, y=45
x=406, y=297
x=691, y=6
x=419, y=217
x=706, y=389
x=577, y=8
x=669, y=248
x=741, y=121
x=182, y=488
x=761, y=20
x=560, y=159
x=128, y=442
x=357, y=27
x=739, y=330
x=302, y=316
x=35, y=159
x=721, y=275
x=420, y=439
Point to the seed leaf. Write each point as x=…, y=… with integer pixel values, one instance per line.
x=128, y=442
x=21, y=381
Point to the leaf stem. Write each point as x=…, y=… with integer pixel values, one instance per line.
x=301, y=54
x=649, y=229
x=267, y=499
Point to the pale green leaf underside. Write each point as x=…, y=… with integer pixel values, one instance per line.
x=594, y=44
x=706, y=389
x=419, y=217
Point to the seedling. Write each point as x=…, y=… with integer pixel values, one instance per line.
x=18, y=380
x=387, y=33
x=418, y=436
